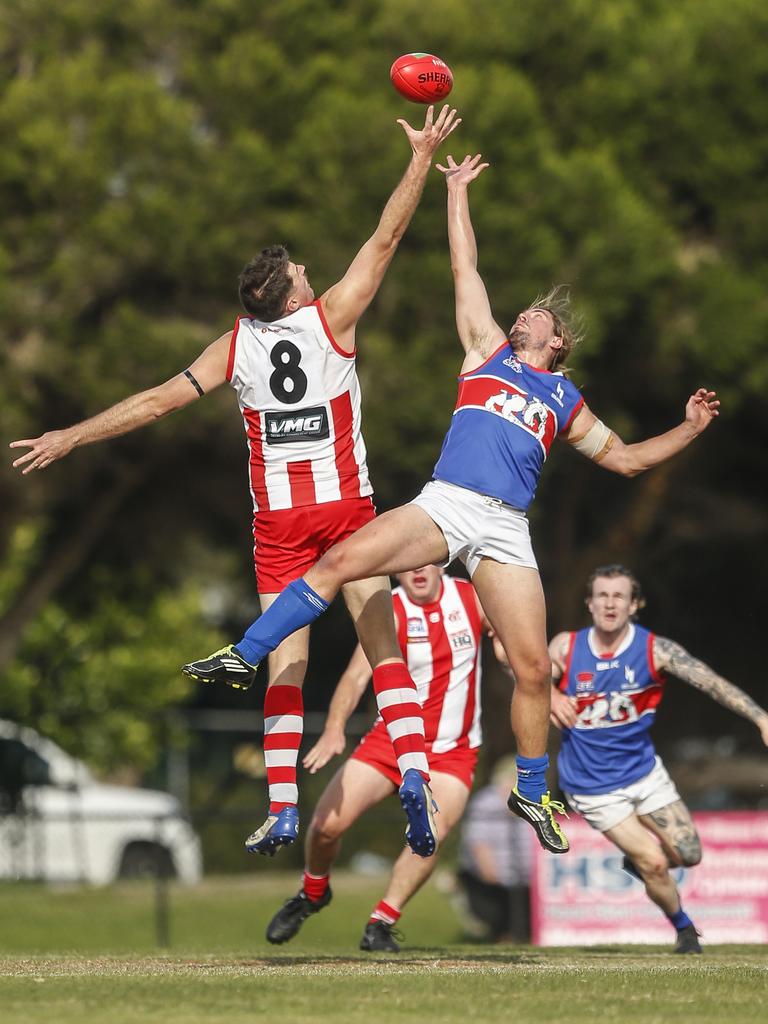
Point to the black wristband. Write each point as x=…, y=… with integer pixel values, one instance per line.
x=194, y=383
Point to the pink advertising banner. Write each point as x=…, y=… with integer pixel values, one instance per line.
x=585, y=898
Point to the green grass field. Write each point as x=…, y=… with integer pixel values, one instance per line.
x=70, y=955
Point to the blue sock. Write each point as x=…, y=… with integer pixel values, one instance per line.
x=532, y=777
x=680, y=919
x=298, y=605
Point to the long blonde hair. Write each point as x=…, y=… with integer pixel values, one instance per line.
x=568, y=324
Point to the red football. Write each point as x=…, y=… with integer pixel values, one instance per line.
x=421, y=78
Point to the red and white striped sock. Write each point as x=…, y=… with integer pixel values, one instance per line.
x=399, y=706
x=283, y=729
x=383, y=912
x=314, y=886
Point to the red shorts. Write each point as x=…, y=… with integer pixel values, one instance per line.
x=375, y=749
x=288, y=542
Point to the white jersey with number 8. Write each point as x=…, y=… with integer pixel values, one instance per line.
x=300, y=399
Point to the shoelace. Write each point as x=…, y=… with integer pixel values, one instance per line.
x=555, y=805
x=393, y=931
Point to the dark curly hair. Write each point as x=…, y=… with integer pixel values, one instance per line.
x=265, y=284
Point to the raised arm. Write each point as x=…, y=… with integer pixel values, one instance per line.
x=207, y=372
x=593, y=438
x=346, y=697
x=673, y=658
x=344, y=303
x=478, y=331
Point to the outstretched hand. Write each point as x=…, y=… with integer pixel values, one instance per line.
x=460, y=175
x=44, y=450
x=327, y=747
x=702, y=407
x=426, y=141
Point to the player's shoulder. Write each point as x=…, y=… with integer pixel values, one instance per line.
x=561, y=643
x=643, y=634
x=563, y=385
x=566, y=636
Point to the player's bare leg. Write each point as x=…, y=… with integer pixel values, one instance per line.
x=396, y=541
x=513, y=600
x=405, y=538
x=409, y=872
x=634, y=840
x=354, y=788
x=674, y=827
x=283, y=729
x=369, y=603
x=651, y=861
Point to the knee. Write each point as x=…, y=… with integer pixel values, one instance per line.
x=336, y=565
x=323, y=831
x=652, y=866
x=534, y=673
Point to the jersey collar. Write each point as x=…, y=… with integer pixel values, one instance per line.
x=604, y=655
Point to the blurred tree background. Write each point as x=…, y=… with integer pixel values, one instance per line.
x=151, y=146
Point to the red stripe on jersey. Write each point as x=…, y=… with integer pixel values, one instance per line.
x=571, y=418
x=466, y=593
x=401, y=624
x=329, y=333
x=469, y=599
x=442, y=663
x=477, y=390
x=302, y=483
x=563, y=684
x=655, y=673
x=232, y=349
x=344, y=446
x=491, y=393
x=604, y=715
x=256, y=468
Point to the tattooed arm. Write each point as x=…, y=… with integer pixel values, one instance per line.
x=673, y=658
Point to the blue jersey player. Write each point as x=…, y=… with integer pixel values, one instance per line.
x=513, y=401
x=609, y=680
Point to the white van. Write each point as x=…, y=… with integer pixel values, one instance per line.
x=58, y=824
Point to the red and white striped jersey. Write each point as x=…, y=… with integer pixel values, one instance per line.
x=441, y=645
x=300, y=400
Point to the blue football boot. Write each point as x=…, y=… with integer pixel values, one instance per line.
x=416, y=798
x=278, y=830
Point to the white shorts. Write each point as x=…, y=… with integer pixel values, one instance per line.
x=606, y=810
x=477, y=526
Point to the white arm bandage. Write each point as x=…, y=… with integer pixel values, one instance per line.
x=596, y=443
